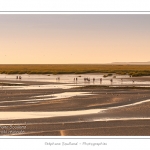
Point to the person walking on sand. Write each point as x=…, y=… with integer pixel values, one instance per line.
x=100, y=80
x=121, y=80
x=111, y=80
x=93, y=79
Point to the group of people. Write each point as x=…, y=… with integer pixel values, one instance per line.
x=85, y=79
x=18, y=77
x=57, y=79
x=76, y=79
x=88, y=80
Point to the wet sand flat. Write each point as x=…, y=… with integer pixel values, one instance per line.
x=91, y=110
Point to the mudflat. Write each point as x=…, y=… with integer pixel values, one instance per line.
x=85, y=110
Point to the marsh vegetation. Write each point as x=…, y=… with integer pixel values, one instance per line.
x=133, y=70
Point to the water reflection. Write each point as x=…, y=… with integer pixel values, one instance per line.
x=121, y=119
x=36, y=87
x=29, y=115
x=37, y=99
x=73, y=78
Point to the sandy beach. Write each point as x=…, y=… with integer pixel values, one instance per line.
x=79, y=110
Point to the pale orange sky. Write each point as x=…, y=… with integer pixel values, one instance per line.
x=56, y=39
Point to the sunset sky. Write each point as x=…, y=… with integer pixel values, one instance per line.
x=74, y=39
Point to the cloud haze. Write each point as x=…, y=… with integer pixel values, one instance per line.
x=56, y=39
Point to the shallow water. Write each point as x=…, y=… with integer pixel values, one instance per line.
x=131, y=104
x=121, y=119
x=69, y=80
x=36, y=87
x=29, y=115
x=64, y=95
x=70, y=83
x=37, y=99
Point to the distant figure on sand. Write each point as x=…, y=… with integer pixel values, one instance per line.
x=87, y=79
x=111, y=80
x=58, y=78
x=76, y=79
x=100, y=80
x=93, y=79
x=19, y=77
x=16, y=77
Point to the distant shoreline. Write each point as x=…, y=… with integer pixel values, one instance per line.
x=133, y=70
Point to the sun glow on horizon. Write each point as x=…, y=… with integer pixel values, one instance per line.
x=74, y=39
